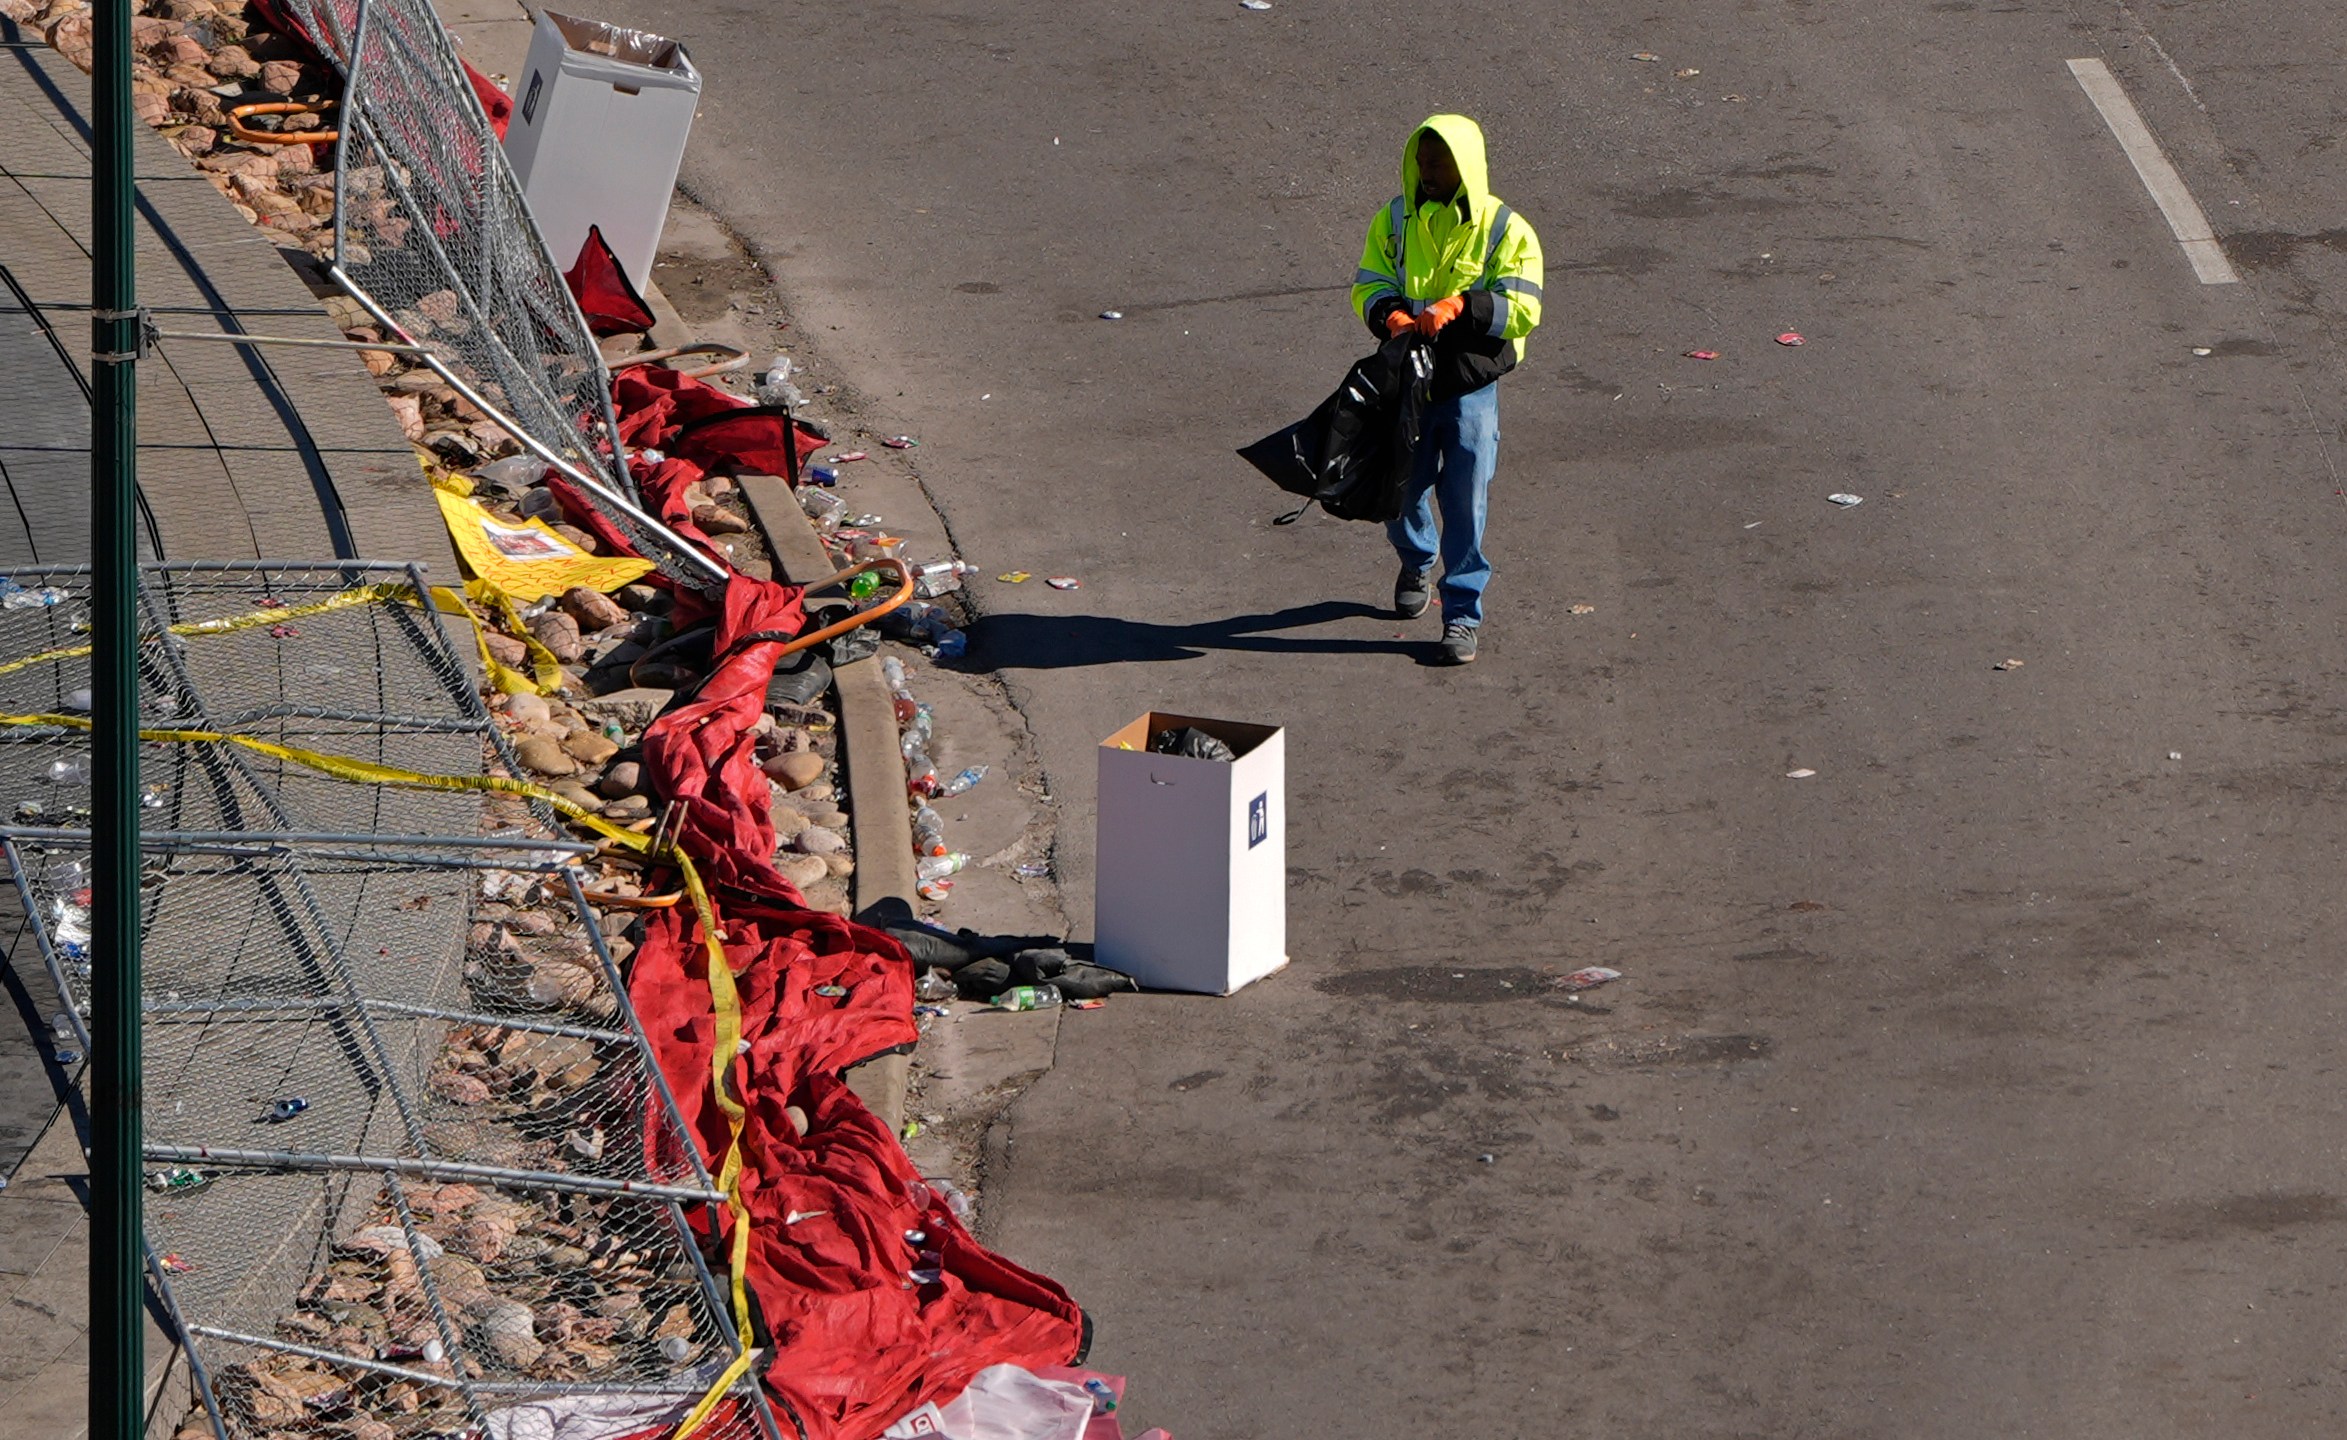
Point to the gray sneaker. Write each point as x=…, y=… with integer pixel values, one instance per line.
x=1458, y=644
x=1412, y=594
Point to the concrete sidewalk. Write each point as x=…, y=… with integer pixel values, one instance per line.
x=244, y=453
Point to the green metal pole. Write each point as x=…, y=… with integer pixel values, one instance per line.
x=117, y=1276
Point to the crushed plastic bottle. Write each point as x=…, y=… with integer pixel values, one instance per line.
x=775, y=387
x=937, y=867
x=827, y=510
x=963, y=782
x=934, y=985
x=68, y=772
x=940, y=576
x=1029, y=997
x=951, y=1197
x=20, y=597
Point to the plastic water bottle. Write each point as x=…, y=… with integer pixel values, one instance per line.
x=775, y=387
x=963, y=782
x=920, y=774
x=1103, y=1398
x=893, y=671
x=1028, y=997
x=940, y=576
x=937, y=867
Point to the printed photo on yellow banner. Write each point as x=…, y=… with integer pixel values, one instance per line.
x=529, y=561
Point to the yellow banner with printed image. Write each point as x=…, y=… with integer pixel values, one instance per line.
x=529, y=561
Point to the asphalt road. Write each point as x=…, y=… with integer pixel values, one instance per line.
x=1983, y=1083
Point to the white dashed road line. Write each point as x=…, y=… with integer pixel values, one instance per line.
x=2159, y=177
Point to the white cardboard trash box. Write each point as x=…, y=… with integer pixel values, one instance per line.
x=1190, y=889
x=600, y=119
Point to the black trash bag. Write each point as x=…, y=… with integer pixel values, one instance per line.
x=1193, y=742
x=982, y=979
x=1076, y=979
x=937, y=949
x=1353, y=455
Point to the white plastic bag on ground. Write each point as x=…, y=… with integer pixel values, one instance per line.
x=1004, y=1402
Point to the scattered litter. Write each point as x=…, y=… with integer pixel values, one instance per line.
x=1086, y=1004
x=1015, y=577
x=1028, y=997
x=901, y=442
x=285, y=632
x=1487, y=1158
x=1846, y=500
x=1733, y=99
x=935, y=1011
x=175, y=1265
x=1584, y=610
x=2202, y=350
x=962, y=782
x=1588, y=978
x=793, y=1217
x=1033, y=870
x=1112, y=314
x=1647, y=57
x=1064, y=582
x=1703, y=354
x=1791, y=337
x=852, y=457
x=831, y=992
x=1254, y=4
x=286, y=1109
x=2009, y=664
x=69, y=1057
x=2175, y=754
x=823, y=474
x=1687, y=74
x=912, y=1129
x=1752, y=525
x=1799, y=774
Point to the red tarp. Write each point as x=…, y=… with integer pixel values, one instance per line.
x=607, y=298
x=857, y=1341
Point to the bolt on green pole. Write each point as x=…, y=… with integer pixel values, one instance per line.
x=117, y=1275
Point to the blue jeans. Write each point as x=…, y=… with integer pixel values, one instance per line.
x=1458, y=449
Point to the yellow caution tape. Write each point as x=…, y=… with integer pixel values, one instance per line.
x=725, y=1000
x=339, y=600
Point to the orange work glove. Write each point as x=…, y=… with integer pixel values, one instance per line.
x=1398, y=321
x=1439, y=314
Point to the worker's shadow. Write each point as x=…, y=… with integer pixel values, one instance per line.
x=1067, y=642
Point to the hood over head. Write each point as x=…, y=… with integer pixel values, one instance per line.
x=1465, y=139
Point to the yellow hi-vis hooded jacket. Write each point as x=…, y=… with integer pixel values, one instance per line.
x=1474, y=245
